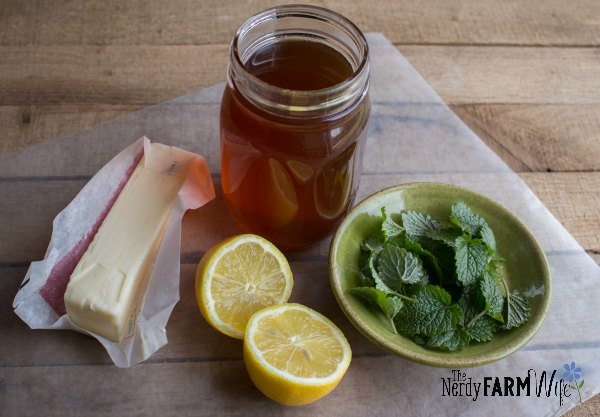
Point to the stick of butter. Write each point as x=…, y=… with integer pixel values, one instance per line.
x=111, y=276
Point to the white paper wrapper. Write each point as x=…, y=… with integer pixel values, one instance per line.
x=73, y=230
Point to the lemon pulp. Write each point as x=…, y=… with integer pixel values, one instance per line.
x=293, y=354
x=238, y=277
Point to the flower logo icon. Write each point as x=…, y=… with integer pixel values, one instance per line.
x=573, y=374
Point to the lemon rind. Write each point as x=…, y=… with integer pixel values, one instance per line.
x=311, y=381
x=228, y=246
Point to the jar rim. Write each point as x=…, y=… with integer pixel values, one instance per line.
x=334, y=94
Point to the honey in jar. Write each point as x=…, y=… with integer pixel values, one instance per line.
x=293, y=123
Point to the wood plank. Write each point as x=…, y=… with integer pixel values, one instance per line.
x=471, y=74
x=223, y=388
x=588, y=409
x=180, y=22
x=46, y=356
x=29, y=212
x=189, y=334
x=403, y=138
x=148, y=74
x=566, y=194
x=25, y=126
x=191, y=337
x=527, y=137
x=540, y=137
x=107, y=74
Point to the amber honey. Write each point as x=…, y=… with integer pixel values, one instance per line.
x=290, y=160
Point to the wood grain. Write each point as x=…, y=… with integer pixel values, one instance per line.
x=538, y=137
x=123, y=75
x=34, y=204
x=528, y=137
x=533, y=97
x=471, y=74
x=185, y=22
x=107, y=74
x=178, y=372
x=28, y=125
x=190, y=336
x=569, y=193
x=204, y=388
x=589, y=408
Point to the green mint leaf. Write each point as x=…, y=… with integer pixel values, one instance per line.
x=431, y=313
x=463, y=217
x=466, y=302
x=483, y=329
x=452, y=341
x=473, y=224
x=517, y=310
x=471, y=259
x=389, y=305
x=489, y=297
x=416, y=225
x=496, y=271
x=389, y=227
x=467, y=305
x=428, y=258
x=419, y=340
x=487, y=237
x=366, y=277
x=480, y=327
x=379, y=284
x=397, y=266
x=394, y=304
x=446, y=236
x=373, y=243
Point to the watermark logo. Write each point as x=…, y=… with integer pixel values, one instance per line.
x=533, y=383
x=573, y=374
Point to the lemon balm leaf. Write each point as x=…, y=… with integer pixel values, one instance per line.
x=489, y=297
x=379, y=283
x=463, y=217
x=416, y=225
x=473, y=224
x=483, y=329
x=390, y=305
x=389, y=227
x=487, y=237
x=452, y=341
x=474, y=302
x=476, y=323
x=471, y=259
x=373, y=243
x=496, y=271
x=446, y=236
x=431, y=313
x=429, y=260
x=517, y=310
x=397, y=266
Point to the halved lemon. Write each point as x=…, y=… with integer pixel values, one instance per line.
x=293, y=354
x=238, y=277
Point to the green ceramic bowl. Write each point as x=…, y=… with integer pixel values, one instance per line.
x=525, y=266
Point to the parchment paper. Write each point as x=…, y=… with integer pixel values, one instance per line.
x=429, y=143
x=72, y=233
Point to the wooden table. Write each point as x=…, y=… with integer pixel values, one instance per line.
x=525, y=76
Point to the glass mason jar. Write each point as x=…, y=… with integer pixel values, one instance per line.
x=293, y=123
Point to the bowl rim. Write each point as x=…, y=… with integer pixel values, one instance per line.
x=435, y=358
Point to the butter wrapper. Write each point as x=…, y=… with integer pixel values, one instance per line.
x=40, y=300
